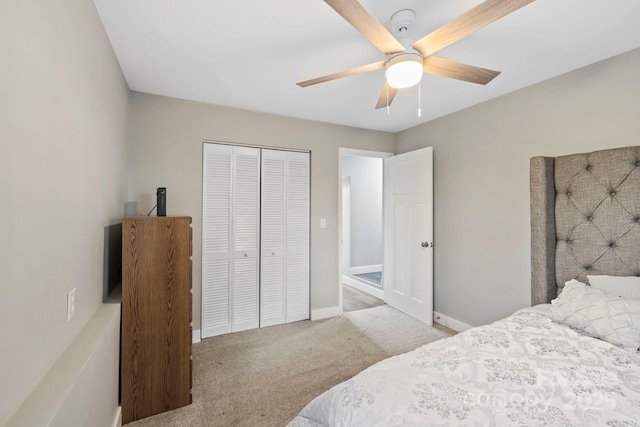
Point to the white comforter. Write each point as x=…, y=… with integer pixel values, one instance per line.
x=524, y=370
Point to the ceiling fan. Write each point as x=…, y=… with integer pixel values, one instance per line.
x=405, y=66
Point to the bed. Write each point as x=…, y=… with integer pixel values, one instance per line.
x=571, y=363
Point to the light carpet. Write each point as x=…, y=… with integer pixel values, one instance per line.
x=264, y=377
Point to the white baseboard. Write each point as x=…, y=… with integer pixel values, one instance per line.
x=378, y=293
x=117, y=419
x=325, y=313
x=195, y=338
x=450, y=322
x=366, y=269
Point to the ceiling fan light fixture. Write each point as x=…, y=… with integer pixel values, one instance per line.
x=404, y=70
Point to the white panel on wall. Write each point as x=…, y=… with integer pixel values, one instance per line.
x=272, y=283
x=297, y=237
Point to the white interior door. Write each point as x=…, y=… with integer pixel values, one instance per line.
x=408, y=233
x=230, y=235
x=274, y=206
x=246, y=236
x=255, y=220
x=216, y=239
x=297, y=236
x=284, y=290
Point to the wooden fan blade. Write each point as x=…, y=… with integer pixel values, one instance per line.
x=387, y=95
x=341, y=74
x=465, y=24
x=355, y=14
x=457, y=70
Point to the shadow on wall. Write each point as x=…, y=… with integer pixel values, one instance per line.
x=112, y=261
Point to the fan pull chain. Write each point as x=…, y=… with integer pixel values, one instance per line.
x=420, y=98
x=388, y=107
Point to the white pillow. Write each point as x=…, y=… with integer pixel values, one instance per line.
x=600, y=314
x=626, y=287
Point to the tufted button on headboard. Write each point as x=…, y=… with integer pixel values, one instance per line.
x=585, y=218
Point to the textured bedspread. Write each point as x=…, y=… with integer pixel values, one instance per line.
x=524, y=370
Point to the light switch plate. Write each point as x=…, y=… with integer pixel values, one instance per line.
x=323, y=223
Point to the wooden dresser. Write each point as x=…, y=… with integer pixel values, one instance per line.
x=156, y=315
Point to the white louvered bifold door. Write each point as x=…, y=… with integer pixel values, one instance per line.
x=297, y=237
x=272, y=286
x=284, y=290
x=216, y=239
x=246, y=232
x=249, y=228
x=230, y=235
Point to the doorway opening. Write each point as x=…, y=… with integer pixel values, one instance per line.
x=361, y=229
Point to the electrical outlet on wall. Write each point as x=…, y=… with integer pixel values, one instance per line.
x=71, y=304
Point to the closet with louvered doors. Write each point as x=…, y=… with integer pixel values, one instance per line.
x=284, y=278
x=255, y=240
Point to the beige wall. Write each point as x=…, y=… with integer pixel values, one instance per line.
x=365, y=221
x=63, y=109
x=481, y=158
x=165, y=150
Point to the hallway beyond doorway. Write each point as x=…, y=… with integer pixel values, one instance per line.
x=374, y=278
x=354, y=300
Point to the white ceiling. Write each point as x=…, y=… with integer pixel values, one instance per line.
x=250, y=53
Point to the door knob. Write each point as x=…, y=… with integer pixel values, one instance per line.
x=424, y=244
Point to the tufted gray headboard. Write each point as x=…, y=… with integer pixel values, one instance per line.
x=585, y=218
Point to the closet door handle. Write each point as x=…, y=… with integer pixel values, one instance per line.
x=424, y=244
